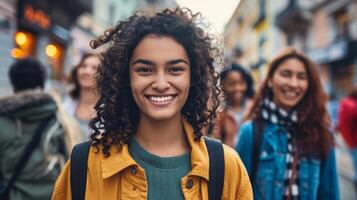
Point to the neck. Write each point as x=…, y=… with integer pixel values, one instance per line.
x=88, y=96
x=236, y=106
x=162, y=138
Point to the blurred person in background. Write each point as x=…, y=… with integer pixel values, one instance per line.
x=155, y=80
x=332, y=108
x=83, y=97
x=347, y=125
x=287, y=148
x=238, y=88
x=32, y=138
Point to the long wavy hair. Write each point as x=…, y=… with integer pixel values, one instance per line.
x=117, y=113
x=313, y=136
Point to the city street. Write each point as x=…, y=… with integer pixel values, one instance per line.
x=139, y=75
x=345, y=171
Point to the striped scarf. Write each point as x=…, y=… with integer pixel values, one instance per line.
x=276, y=115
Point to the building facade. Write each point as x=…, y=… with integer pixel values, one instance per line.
x=7, y=30
x=326, y=30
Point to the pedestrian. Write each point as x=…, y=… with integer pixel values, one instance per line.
x=238, y=88
x=347, y=125
x=287, y=147
x=155, y=80
x=32, y=139
x=84, y=95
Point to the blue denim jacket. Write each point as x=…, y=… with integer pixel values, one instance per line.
x=317, y=180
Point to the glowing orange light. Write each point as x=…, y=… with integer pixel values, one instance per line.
x=17, y=53
x=51, y=51
x=37, y=16
x=21, y=38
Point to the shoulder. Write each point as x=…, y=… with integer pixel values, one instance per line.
x=246, y=132
x=69, y=104
x=246, y=127
x=9, y=130
x=236, y=178
x=232, y=160
x=62, y=186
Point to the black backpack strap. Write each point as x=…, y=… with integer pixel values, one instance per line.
x=257, y=141
x=216, y=168
x=78, y=173
x=26, y=155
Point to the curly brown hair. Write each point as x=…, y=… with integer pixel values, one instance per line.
x=314, y=137
x=117, y=113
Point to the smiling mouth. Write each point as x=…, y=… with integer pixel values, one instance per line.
x=291, y=95
x=160, y=100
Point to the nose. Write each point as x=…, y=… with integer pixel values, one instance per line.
x=161, y=83
x=294, y=82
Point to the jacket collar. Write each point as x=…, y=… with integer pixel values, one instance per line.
x=27, y=103
x=120, y=160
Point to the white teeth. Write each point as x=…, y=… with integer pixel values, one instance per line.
x=161, y=99
x=291, y=94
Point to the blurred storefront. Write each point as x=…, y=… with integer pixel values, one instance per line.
x=43, y=31
x=7, y=30
x=334, y=47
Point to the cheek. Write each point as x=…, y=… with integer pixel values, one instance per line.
x=79, y=72
x=305, y=86
x=243, y=86
x=182, y=82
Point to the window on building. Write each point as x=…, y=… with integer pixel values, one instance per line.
x=341, y=20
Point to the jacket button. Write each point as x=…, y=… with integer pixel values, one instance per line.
x=189, y=184
x=133, y=170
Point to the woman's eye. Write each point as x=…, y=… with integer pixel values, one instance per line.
x=285, y=73
x=302, y=76
x=176, y=69
x=144, y=70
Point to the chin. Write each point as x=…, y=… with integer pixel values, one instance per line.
x=160, y=116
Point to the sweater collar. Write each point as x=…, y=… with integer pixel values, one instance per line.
x=121, y=159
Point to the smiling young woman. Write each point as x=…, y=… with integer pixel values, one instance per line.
x=155, y=79
x=287, y=147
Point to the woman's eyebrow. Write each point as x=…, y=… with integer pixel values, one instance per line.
x=170, y=62
x=142, y=61
x=176, y=61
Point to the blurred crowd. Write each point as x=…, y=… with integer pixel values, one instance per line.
x=41, y=127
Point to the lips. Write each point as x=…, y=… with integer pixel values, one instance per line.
x=291, y=95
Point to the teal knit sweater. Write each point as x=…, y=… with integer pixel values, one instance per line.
x=163, y=173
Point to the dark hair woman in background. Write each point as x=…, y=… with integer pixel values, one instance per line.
x=287, y=147
x=238, y=88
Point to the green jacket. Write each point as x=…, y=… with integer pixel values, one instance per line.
x=20, y=115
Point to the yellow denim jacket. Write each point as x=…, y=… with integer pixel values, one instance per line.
x=120, y=177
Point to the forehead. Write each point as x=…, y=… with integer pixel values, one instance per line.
x=92, y=58
x=292, y=64
x=156, y=48
x=234, y=75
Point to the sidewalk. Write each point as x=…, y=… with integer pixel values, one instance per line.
x=345, y=170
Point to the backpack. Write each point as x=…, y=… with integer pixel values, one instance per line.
x=79, y=159
x=25, y=157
